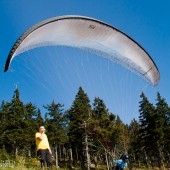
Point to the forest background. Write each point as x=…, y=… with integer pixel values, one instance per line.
x=87, y=134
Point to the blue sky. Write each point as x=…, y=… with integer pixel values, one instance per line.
x=56, y=72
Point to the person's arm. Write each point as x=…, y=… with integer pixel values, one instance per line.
x=50, y=151
x=39, y=136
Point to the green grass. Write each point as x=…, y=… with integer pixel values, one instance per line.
x=22, y=163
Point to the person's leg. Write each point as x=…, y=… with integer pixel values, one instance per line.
x=42, y=156
x=117, y=167
x=49, y=159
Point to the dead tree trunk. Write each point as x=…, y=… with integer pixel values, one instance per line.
x=161, y=158
x=56, y=157
x=146, y=159
x=71, y=154
x=106, y=160
x=86, y=148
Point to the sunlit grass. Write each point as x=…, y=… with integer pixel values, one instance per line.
x=23, y=163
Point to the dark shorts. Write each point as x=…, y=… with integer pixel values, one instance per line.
x=45, y=157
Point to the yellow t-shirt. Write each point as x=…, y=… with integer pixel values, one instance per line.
x=42, y=144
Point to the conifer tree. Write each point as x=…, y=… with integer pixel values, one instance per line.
x=29, y=126
x=101, y=119
x=134, y=144
x=39, y=121
x=4, y=110
x=104, y=126
x=119, y=136
x=56, y=125
x=99, y=126
x=147, y=129
x=162, y=119
x=14, y=132
x=78, y=114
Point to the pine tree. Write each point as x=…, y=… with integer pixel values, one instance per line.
x=134, y=151
x=101, y=119
x=103, y=126
x=56, y=125
x=39, y=121
x=29, y=126
x=4, y=110
x=119, y=136
x=147, y=126
x=18, y=125
x=162, y=120
x=14, y=132
x=78, y=114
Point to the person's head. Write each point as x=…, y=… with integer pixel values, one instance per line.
x=41, y=129
x=125, y=157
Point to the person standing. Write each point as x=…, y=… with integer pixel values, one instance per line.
x=43, y=148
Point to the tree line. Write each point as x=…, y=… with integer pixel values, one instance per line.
x=86, y=134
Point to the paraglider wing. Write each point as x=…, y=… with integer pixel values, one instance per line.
x=91, y=35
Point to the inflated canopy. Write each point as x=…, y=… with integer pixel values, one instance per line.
x=92, y=35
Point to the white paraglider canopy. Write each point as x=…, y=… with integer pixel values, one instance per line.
x=91, y=35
